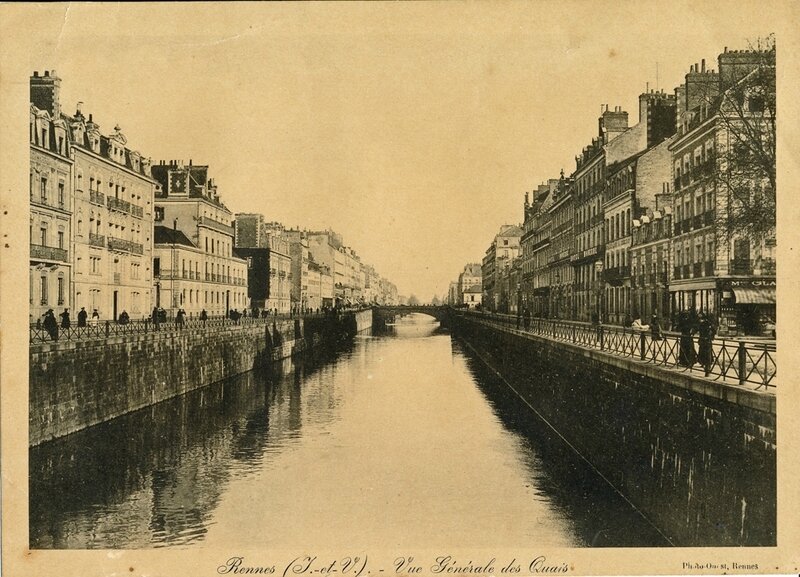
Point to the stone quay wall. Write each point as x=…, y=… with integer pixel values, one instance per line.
x=76, y=384
x=696, y=457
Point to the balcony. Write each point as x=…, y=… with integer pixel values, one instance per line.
x=676, y=273
x=137, y=211
x=125, y=245
x=697, y=221
x=97, y=197
x=615, y=276
x=709, y=268
x=118, y=204
x=216, y=225
x=97, y=240
x=709, y=217
x=686, y=271
x=49, y=253
x=697, y=269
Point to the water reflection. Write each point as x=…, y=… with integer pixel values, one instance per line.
x=399, y=439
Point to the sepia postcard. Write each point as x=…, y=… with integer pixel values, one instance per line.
x=409, y=288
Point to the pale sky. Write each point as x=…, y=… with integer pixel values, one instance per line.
x=414, y=130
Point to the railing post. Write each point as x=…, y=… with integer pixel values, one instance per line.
x=742, y=365
x=108, y=328
x=574, y=329
x=600, y=332
x=641, y=346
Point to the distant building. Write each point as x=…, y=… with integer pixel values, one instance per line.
x=504, y=249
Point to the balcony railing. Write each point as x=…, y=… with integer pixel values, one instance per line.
x=137, y=211
x=125, y=245
x=709, y=268
x=49, y=253
x=97, y=239
x=216, y=225
x=118, y=204
x=676, y=273
x=697, y=221
x=697, y=269
x=97, y=197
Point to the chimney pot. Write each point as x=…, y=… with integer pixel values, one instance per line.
x=36, y=74
x=47, y=73
x=703, y=65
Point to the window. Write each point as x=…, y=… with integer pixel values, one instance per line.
x=43, y=190
x=61, y=239
x=61, y=290
x=43, y=235
x=43, y=288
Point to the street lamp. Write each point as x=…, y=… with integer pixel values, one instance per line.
x=173, y=268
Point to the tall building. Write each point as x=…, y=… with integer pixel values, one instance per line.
x=470, y=285
x=726, y=119
x=559, y=251
x=499, y=256
x=51, y=200
x=110, y=235
x=209, y=276
x=534, y=245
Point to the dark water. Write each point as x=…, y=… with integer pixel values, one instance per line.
x=401, y=440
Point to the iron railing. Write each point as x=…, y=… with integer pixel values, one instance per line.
x=107, y=329
x=740, y=362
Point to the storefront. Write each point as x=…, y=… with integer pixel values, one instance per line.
x=747, y=306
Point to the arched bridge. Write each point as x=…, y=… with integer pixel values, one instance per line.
x=381, y=314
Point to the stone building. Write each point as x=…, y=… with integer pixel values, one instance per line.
x=729, y=274
x=187, y=201
x=111, y=230
x=534, y=245
x=499, y=256
x=650, y=261
x=561, y=273
x=50, y=269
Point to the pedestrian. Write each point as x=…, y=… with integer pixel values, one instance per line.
x=527, y=318
x=655, y=327
x=82, y=317
x=65, y=322
x=687, y=356
x=156, y=318
x=627, y=322
x=95, y=317
x=203, y=316
x=179, y=318
x=705, y=353
x=50, y=324
x=124, y=318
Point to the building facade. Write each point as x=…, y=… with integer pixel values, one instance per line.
x=187, y=201
x=50, y=269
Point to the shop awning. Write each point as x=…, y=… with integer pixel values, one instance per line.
x=755, y=295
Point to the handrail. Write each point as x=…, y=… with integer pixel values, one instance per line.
x=735, y=361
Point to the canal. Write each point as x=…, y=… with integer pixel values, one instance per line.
x=402, y=439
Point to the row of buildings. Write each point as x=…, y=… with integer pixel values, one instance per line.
x=112, y=232
x=674, y=212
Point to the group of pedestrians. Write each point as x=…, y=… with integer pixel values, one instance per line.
x=689, y=323
x=49, y=323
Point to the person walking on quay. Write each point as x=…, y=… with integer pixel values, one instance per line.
x=705, y=334
x=50, y=324
x=95, y=317
x=686, y=354
x=82, y=317
x=203, y=316
x=124, y=318
x=156, y=319
x=65, y=322
x=526, y=318
x=179, y=318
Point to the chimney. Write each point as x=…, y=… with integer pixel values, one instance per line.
x=612, y=124
x=45, y=91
